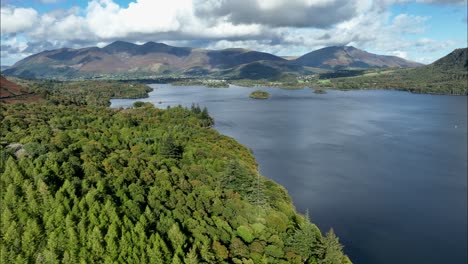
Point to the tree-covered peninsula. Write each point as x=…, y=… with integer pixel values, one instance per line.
x=89, y=184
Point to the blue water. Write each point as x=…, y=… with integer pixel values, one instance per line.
x=386, y=169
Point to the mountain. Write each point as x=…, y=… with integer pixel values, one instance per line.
x=8, y=89
x=345, y=57
x=457, y=60
x=128, y=59
x=3, y=67
x=448, y=75
x=11, y=92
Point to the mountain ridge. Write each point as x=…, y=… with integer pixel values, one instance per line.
x=11, y=92
x=447, y=75
x=125, y=59
x=338, y=57
x=457, y=59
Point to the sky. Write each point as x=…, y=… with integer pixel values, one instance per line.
x=418, y=30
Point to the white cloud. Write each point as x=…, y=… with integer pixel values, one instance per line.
x=406, y=23
x=13, y=49
x=16, y=20
x=279, y=13
x=284, y=27
x=400, y=53
x=108, y=20
x=60, y=27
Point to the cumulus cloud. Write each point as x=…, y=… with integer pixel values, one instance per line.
x=283, y=27
x=108, y=19
x=279, y=13
x=61, y=26
x=16, y=20
x=406, y=23
x=12, y=49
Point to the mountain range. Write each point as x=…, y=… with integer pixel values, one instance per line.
x=127, y=60
x=447, y=75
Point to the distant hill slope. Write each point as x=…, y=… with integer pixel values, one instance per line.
x=127, y=59
x=8, y=89
x=123, y=60
x=448, y=75
x=457, y=60
x=345, y=57
x=11, y=92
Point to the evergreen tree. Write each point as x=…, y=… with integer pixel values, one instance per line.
x=169, y=148
x=97, y=192
x=191, y=257
x=176, y=236
x=305, y=241
x=333, y=250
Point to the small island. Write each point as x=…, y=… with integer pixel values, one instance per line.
x=320, y=91
x=259, y=94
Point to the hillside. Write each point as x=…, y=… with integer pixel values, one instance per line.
x=86, y=184
x=127, y=60
x=345, y=57
x=123, y=60
x=10, y=89
x=11, y=92
x=447, y=75
x=265, y=69
x=456, y=61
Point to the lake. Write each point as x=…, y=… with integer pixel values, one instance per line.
x=386, y=169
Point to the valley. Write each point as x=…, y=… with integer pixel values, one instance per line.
x=338, y=67
x=233, y=132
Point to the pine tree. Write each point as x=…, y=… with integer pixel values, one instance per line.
x=95, y=243
x=176, y=236
x=208, y=121
x=111, y=239
x=195, y=108
x=191, y=257
x=169, y=148
x=158, y=251
x=333, y=249
x=31, y=239
x=304, y=240
x=12, y=173
x=237, y=178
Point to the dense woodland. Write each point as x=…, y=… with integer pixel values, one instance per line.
x=419, y=80
x=448, y=75
x=91, y=93
x=82, y=183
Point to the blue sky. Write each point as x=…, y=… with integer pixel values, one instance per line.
x=446, y=21
x=419, y=30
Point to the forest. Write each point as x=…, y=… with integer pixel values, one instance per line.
x=83, y=183
x=448, y=75
x=422, y=80
x=89, y=92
